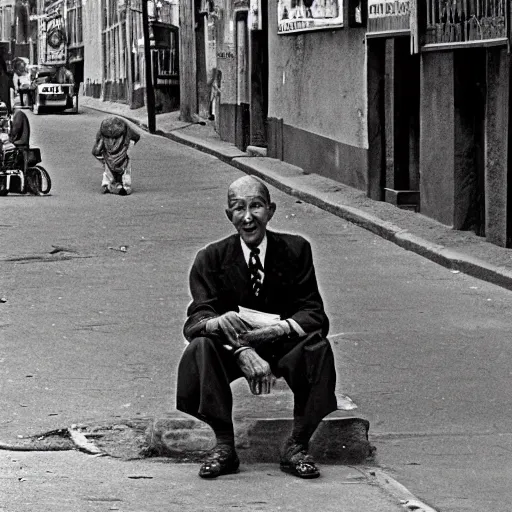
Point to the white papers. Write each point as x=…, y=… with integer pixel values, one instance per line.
x=257, y=318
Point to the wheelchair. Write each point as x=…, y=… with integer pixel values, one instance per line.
x=21, y=173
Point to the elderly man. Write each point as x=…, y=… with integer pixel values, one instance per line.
x=271, y=273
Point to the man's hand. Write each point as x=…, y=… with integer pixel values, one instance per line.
x=256, y=371
x=230, y=325
x=266, y=334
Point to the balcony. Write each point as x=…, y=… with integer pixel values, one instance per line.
x=455, y=23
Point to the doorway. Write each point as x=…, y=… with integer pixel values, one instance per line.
x=393, y=122
x=470, y=90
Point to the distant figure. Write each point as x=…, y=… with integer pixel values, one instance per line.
x=215, y=92
x=64, y=76
x=111, y=147
x=6, y=85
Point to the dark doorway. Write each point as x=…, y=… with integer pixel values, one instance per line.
x=470, y=103
x=393, y=122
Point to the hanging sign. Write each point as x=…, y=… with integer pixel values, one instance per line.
x=305, y=15
x=388, y=15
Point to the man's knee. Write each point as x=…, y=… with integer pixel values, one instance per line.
x=319, y=360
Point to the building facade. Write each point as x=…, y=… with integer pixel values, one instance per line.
x=115, y=67
x=407, y=101
x=18, y=29
x=60, y=35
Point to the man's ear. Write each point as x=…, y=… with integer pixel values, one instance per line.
x=229, y=214
x=272, y=209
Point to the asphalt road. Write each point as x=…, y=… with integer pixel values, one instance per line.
x=92, y=333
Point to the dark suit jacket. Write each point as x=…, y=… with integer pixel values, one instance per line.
x=220, y=282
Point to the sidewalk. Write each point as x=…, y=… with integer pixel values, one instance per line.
x=75, y=482
x=461, y=251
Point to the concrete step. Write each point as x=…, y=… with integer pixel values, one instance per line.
x=340, y=438
x=256, y=151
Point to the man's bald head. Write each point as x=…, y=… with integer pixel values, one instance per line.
x=248, y=186
x=250, y=209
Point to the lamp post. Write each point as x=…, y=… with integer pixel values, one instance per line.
x=150, y=92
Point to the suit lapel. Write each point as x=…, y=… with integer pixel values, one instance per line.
x=235, y=269
x=276, y=263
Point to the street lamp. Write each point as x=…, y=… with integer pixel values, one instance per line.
x=150, y=92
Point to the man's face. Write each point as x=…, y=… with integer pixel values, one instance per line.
x=249, y=210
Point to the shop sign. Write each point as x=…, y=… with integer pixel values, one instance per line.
x=305, y=15
x=226, y=64
x=388, y=15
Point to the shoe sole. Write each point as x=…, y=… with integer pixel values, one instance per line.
x=211, y=477
x=294, y=472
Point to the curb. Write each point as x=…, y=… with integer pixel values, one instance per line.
x=439, y=254
x=338, y=439
x=397, y=491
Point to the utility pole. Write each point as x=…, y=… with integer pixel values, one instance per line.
x=150, y=92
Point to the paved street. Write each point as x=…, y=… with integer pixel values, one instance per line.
x=92, y=333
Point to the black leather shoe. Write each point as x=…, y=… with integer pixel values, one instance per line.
x=296, y=461
x=222, y=460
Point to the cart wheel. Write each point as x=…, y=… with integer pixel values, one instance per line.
x=3, y=186
x=45, y=180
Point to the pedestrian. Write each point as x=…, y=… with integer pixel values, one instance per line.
x=111, y=147
x=6, y=85
x=256, y=312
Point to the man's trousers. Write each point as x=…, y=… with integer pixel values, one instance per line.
x=206, y=370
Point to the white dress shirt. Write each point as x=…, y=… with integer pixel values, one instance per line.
x=263, y=251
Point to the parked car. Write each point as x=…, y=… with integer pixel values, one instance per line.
x=53, y=90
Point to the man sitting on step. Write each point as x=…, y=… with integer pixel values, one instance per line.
x=284, y=335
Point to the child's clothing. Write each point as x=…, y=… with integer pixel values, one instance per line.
x=111, y=147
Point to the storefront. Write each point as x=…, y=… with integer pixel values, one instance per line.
x=317, y=114
x=465, y=116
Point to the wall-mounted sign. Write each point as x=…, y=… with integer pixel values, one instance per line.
x=388, y=15
x=305, y=15
x=255, y=22
x=53, y=34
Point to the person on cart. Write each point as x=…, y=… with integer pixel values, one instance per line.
x=20, y=130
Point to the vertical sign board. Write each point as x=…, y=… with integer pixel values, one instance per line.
x=255, y=21
x=53, y=34
x=226, y=52
x=388, y=16
x=305, y=15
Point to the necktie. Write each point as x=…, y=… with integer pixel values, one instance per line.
x=255, y=267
